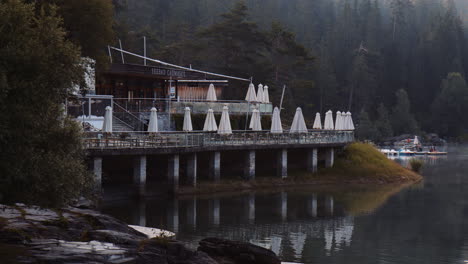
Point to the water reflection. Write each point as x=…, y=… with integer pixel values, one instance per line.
x=289, y=223
x=391, y=224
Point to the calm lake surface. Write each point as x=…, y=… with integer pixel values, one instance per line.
x=423, y=223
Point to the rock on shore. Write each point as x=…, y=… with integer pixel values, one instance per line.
x=32, y=234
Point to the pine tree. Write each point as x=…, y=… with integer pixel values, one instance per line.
x=382, y=124
x=402, y=119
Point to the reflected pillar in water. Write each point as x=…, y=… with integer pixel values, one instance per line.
x=312, y=160
x=214, y=212
x=312, y=206
x=192, y=213
x=329, y=205
x=329, y=157
x=139, y=174
x=249, y=167
x=140, y=214
x=173, y=216
x=282, y=163
x=250, y=208
x=215, y=166
x=97, y=170
x=192, y=169
x=283, y=206
x=173, y=171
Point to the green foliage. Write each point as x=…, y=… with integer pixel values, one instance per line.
x=450, y=107
x=42, y=158
x=382, y=124
x=88, y=23
x=365, y=130
x=402, y=119
x=416, y=165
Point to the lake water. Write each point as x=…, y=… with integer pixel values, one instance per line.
x=423, y=223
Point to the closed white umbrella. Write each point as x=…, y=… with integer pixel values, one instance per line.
x=107, y=125
x=350, y=121
x=255, y=121
x=266, y=96
x=211, y=96
x=251, y=95
x=210, y=122
x=153, y=121
x=317, y=122
x=416, y=140
x=298, y=125
x=187, y=120
x=329, y=121
x=260, y=93
x=225, y=123
x=276, y=127
x=338, y=121
x=345, y=121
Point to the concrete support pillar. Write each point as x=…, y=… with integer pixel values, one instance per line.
x=312, y=206
x=312, y=160
x=215, y=166
x=173, y=171
x=192, y=169
x=192, y=213
x=214, y=213
x=249, y=167
x=139, y=174
x=284, y=206
x=282, y=163
x=97, y=170
x=173, y=216
x=329, y=157
x=329, y=204
x=250, y=208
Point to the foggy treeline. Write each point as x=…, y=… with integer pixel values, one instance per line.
x=398, y=65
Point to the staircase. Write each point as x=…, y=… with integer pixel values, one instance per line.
x=120, y=126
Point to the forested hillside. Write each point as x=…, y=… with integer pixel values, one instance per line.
x=394, y=56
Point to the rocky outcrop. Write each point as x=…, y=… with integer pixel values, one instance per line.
x=71, y=235
x=235, y=252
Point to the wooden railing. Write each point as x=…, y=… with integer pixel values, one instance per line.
x=94, y=140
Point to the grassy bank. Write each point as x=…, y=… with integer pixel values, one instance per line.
x=358, y=164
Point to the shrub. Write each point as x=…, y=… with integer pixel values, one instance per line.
x=416, y=164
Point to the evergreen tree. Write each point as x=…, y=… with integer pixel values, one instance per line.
x=450, y=107
x=42, y=158
x=382, y=124
x=365, y=130
x=402, y=119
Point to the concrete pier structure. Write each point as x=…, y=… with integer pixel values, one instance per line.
x=282, y=162
x=173, y=171
x=97, y=170
x=329, y=157
x=312, y=160
x=215, y=166
x=192, y=169
x=139, y=174
x=249, y=167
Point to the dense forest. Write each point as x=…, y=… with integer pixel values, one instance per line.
x=399, y=65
